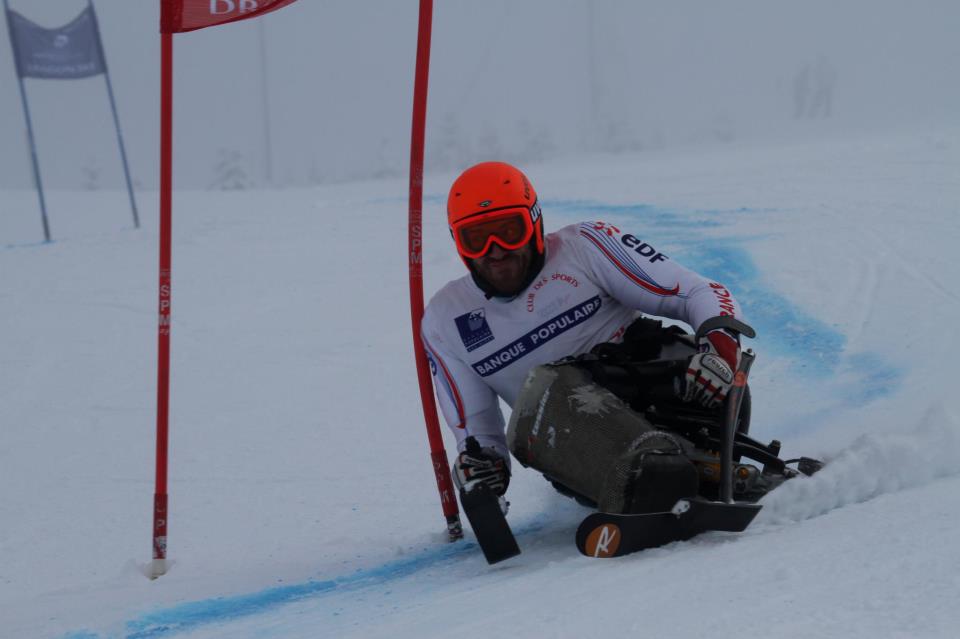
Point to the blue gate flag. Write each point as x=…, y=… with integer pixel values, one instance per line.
x=66, y=53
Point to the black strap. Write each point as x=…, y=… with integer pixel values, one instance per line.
x=642, y=341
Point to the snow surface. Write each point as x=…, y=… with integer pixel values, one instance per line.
x=302, y=502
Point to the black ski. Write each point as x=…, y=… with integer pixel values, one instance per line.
x=612, y=535
x=489, y=524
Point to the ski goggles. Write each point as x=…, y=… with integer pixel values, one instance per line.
x=509, y=228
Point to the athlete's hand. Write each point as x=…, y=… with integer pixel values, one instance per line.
x=710, y=372
x=481, y=465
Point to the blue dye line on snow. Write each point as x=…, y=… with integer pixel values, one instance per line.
x=188, y=616
x=880, y=379
x=782, y=327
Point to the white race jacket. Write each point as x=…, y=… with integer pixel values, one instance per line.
x=594, y=281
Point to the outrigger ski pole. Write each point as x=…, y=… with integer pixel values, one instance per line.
x=487, y=518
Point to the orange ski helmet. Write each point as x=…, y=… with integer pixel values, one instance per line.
x=493, y=203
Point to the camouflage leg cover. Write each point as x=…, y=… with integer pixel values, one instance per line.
x=582, y=436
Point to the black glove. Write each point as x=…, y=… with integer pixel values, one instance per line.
x=481, y=465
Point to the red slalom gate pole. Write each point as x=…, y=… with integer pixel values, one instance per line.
x=159, y=565
x=438, y=455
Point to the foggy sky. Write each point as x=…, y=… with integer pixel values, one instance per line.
x=520, y=80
